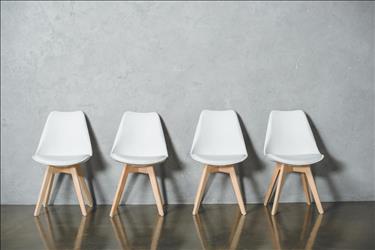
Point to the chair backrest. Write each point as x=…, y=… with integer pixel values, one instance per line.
x=140, y=134
x=65, y=133
x=289, y=133
x=218, y=133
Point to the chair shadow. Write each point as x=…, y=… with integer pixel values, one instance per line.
x=168, y=168
x=248, y=168
x=93, y=166
x=328, y=166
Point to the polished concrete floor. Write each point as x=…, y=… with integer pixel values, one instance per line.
x=296, y=226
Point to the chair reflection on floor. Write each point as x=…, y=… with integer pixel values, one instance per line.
x=234, y=235
x=47, y=233
x=305, y=241
x=122, y=237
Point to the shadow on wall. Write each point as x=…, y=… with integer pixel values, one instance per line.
x=328, y=165
x=249, y=167
x=168, y=168
x=93, y=166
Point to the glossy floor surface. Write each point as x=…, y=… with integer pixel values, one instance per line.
x=296, y=226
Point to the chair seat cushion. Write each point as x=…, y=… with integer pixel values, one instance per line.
x=138, y=160
x=60, y=160
x=302, y=159
x=219, y=160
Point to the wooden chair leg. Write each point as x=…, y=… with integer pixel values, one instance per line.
x=49, y=190
x=278, y=190
x=120, y=191
x=85, y=189
x=237, y=190
x=155, y=189
x=305, y=188
x=276, y=172
x=314, y=190
x=43, y=190
x=77, y=188
x=202, y=186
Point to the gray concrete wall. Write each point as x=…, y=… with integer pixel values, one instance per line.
x=177, y=59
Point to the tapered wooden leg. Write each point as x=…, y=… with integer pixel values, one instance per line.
x=155, y=190
x=85, y=189
x=86, y=192
x=278, y=190
x=120, y=191
x=43, y=190
x=305, y=188
x=201, y=188
x=272, y=184
x=49, y=190
x=314, y=190
x=237, y=191
x=77, y=188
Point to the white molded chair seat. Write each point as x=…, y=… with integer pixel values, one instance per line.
x=219, y=160
x=60, y=160
x=138, y=160
x=290, y=140
x=303, y=159
x=65, y=140
x=140, y=140
x=218, y=139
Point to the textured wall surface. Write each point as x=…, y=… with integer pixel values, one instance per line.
x=177, y=59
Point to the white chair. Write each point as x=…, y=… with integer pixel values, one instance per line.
x=291, y=144
x=218, y=144
x=64, y=145
x=139, y=144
